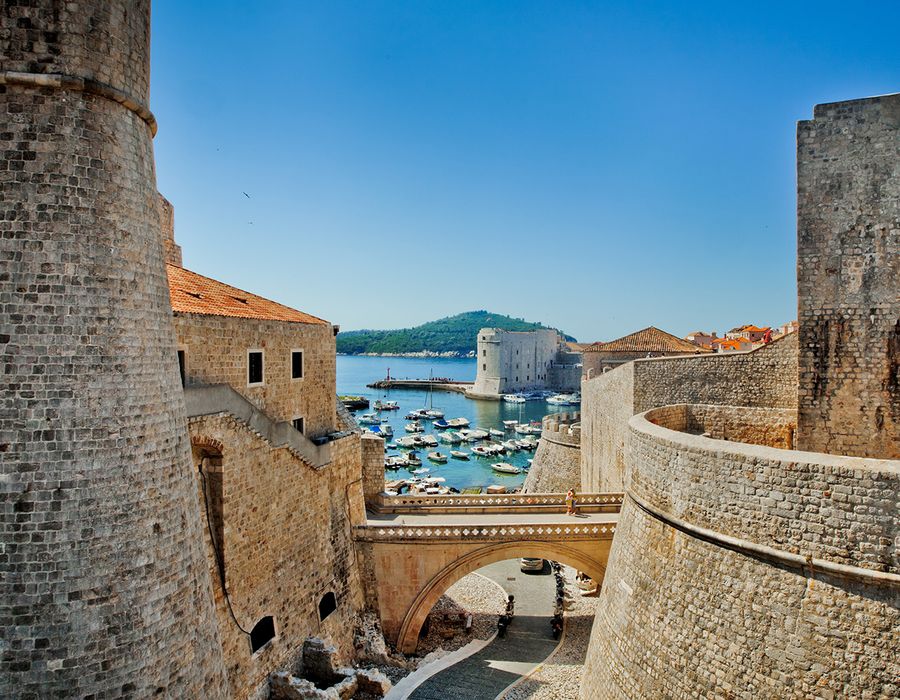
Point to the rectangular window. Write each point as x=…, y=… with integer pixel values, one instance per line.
x=484, y=367
x=484, y=353
x=181, y=366
x=254, y=367
x=296, y=364
x=298, y=424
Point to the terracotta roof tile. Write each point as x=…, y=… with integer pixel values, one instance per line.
x=191, y=293
x=647, y=340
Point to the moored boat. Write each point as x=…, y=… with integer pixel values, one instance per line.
x=441, y=424
x=505, y=468
x=414, y=427
x=451, y=437
x=386, y=406
x=458, y=422
x=429, y=440
x=458, y=454
x=369, y=419
x=437, y=457
x=495, y=432
x=514, y=398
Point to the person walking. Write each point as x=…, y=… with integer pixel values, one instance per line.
x=570, y=502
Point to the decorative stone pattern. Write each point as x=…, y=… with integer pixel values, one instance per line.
x=842, y=509
x=283, y=530
x=215, y=352
x=848, y=267
x=104, y=591
x=517, y=533
x=495, y=502
x=761, y=378
x=679, y=617
x=557, y=461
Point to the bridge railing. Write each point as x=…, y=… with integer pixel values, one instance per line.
x=489, y=532
x=499, y=501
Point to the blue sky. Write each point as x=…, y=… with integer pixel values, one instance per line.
x=599, y=167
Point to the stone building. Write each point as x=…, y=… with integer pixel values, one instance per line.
x=557, y=461
x=648, y=342
x=278, y=474
x=755, y=552
x=512, y=361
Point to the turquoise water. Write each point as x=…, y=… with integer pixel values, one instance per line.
x=353, y=373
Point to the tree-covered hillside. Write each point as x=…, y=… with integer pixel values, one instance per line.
x=455, y=334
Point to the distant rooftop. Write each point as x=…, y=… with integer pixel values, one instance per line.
x=649, y=339
x=192, y=293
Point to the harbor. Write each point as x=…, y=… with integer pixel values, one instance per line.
x=465, y=445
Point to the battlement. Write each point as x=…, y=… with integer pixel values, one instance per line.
x=562, y=427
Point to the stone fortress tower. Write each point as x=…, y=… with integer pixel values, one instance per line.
x=511, y=361
x=104, y=588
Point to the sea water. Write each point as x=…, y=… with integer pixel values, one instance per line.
x=355, y=372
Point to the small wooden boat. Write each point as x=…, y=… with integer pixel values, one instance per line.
x=505, y=468
x=437, y=457
x=459, y=455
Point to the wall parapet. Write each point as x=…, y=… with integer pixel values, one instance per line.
x=834, y=508
x=498, y=502
x=221, y=398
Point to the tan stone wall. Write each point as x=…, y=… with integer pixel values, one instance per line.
x=557, y=462
x=216, y=353
x=284, y=532
x=843, y=509
x=104, y=590
x=848, y=277
x=679, y=617
x=761, y=378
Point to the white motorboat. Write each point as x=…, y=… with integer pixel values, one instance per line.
x=495, y=432
x=406, y=442
x=414, y=427
x=386, y=406
x=421, y=470
x=495, y=448
x=510, y=424
x=416, y=414
x=477, y=434
x=429, y=441
x=451, y=437
x=458, y=422
x=434, y=413
x=505, y=468
x=434, y=480
x=369, y=419
x=564, y=400
x=437, y=457
x=457, y=454
x=385, y=430
x=514, y=398
x=481, y=451
x=510, y=445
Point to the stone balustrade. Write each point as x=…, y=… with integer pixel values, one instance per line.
x=498, y=502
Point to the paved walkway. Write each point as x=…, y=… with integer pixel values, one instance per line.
x=528, y=641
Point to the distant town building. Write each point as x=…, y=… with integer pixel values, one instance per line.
x=513, y=361
x=738, y=344
x=787, y=328
x=752, y=333
x=649, y=342
x=702, y=339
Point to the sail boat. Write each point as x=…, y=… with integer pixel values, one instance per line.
x=432, y=412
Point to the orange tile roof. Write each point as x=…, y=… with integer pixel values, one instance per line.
x=649, y=339
x=754, y=329
x=191, y=293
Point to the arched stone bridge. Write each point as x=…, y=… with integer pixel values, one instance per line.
x=421, y=545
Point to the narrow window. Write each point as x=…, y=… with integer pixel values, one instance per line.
x=255, y=367
x=296, y=364
x=484, y=367
x=181, y=366
x=327, y=605
x=262, y=633
x=298, y=424
x=484, y=353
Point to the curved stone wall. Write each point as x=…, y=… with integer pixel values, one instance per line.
x=557, y=462
x=842, y=509
x=103, y=580
x=747, y=571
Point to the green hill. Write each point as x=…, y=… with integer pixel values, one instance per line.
x=454, y=335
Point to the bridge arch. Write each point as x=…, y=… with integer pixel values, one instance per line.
x=592, y=563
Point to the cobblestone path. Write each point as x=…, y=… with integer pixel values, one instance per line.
x=528, y=641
